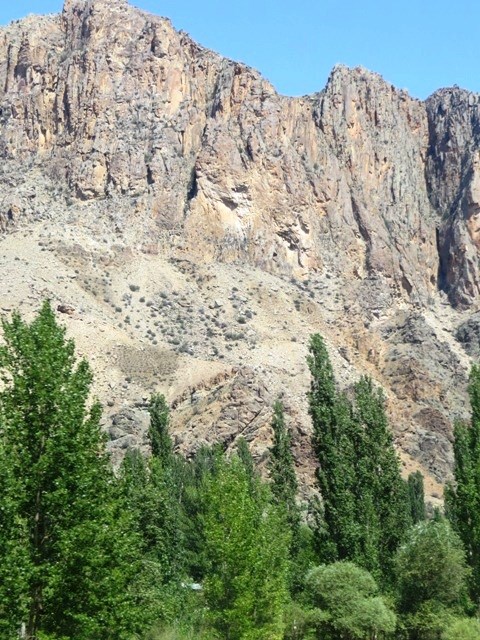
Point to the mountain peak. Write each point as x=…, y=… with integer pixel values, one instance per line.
x=132, y=157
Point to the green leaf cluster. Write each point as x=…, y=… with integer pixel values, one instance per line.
x=246, y=543
x=68, y=551
x=463, y=496
x=348, y=603
x=365, y=508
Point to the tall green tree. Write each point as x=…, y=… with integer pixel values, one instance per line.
x=383, y=509
x=152, y=489
x=416, y=497
x=432, y=575
x=160, y=440
x=365, y=507
x=246, y=546
x=282, y=471
x=198, y=474
x=463, y=497
x=68, y=553
x=244, y=454
x=284, y=487
x=333, y=443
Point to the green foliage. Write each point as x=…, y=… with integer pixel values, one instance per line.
x=85, y=556
x=189, y=624
x=428, y=622
x=155, y=512
x=284, y=488
x=246, y=545
x=334, y=447
x=196, y=480
x=160, y=440
x=284, y=484
x=152, y=493
x=462, y=629
x=382, y=499
x=347, y=602
x=431, y=568
x=416, y=497
x=243, y=452
x=67, y=551
x=300, y=622
x=282, y=468
x=463, y=498
x=364, y=510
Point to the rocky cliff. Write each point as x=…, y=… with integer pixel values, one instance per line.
x=198, y=226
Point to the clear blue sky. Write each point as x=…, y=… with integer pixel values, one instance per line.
x=419, y=45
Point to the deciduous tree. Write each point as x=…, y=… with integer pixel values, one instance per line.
x=432, y=577
x=246, y=544
x=416, y=497
x=463, y=497
x=348, y=603
x=67, y=549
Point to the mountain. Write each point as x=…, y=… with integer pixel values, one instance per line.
x=195, y=227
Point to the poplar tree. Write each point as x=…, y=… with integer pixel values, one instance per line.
x=67, y=548
x=463, y=497
x=333, y=444
x=152, y=492
x=284, y=487
x=246, y=458
x=416, y=497
x=364, y=508
x=383, y=508
x=282, y=470
x=198, y=475
x=246, y=550
x=160, y=440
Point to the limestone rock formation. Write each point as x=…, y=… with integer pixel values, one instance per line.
x=201, y=226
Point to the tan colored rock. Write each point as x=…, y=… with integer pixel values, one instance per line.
x=249, y=220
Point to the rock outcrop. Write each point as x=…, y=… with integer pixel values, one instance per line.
x=355, y=212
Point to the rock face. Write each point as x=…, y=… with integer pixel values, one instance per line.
x=129, y=151
x=453, y=175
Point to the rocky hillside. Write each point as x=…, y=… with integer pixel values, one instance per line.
x=195, y=227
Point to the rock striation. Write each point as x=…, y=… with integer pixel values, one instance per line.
x=354, y=211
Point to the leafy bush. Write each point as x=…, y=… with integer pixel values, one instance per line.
x=463, y=629
x=347, y=602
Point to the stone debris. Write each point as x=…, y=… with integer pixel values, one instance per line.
x=199, y=221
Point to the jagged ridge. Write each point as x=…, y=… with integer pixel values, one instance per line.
x=117, y=126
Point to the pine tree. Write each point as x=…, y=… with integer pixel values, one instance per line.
x=416, y=497
x=67, y=551
x=463, y=498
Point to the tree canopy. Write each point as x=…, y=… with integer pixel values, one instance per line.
x=365, y=507
x=463, y=496
x=67, y=549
